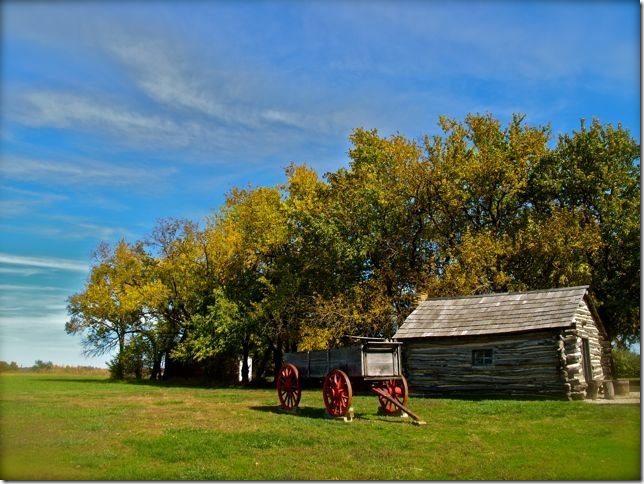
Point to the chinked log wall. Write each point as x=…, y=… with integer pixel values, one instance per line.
x=571, y=350
x=599, y=343
x=524, y=364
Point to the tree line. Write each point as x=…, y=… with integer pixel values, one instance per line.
x=41, y=366
x=478, y=208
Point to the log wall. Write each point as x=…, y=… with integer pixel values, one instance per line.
x=599, y=343
x=585, y=327
x=524, y=364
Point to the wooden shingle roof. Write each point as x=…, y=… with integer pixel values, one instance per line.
x=493, y=313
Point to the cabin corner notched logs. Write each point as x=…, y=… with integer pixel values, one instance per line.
x=546, y=343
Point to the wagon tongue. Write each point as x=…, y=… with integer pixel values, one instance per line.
x=383, y=393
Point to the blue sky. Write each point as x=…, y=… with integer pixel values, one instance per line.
x=115, y=114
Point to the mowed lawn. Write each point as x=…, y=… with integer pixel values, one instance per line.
x=77, y=427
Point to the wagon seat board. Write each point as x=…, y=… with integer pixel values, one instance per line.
x=547, y=342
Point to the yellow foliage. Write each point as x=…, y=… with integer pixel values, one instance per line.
x=313, y=339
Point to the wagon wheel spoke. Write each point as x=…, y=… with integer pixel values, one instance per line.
x=337, y=393
x=397, y=388
x=288, y=387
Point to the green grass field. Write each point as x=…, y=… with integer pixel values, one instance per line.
x=85, y=427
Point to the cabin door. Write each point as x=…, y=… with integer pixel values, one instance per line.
x=585, y=360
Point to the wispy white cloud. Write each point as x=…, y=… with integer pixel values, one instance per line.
x=20, y=271
x=17, y=201
x=12, y=208
x=32, y=326
x=74, y=232
x=523, y=45
x=82, y=172
x=165, y=76
x=36, y=297
x=125, y=125
x=44, y=262
x=72, y=227
x=69, y=228
x=320, y=122
x=172, y=75
x=28, y=287
x=32, y=301
x=200, y=103
x=66, y=109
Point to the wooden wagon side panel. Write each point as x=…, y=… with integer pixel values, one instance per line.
x=382, y=362
x=348, y=359
x=374, y=360
x=318, y=364
x=301, y=362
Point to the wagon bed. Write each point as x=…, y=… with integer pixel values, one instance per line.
x=369, y=360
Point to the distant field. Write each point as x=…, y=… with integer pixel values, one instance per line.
x=85, y=427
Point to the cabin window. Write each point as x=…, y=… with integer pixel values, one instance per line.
x=482, y=358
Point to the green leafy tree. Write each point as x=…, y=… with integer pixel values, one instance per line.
x=594, y=174
x=627, y=363
x=218, y=332
x=183, y=267
x=370, y=253
x=42, y=366
x=135, y=361
x=554, y=249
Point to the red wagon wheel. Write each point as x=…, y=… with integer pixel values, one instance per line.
x=397, y=388
x=337, y=393
x=289, y=391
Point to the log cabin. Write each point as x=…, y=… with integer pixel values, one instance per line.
x=548, y=343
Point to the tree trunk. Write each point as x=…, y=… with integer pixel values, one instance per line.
x=119, y=371
x=156, y=368
x=245, y=354
x=121, y=335
x=277, y=356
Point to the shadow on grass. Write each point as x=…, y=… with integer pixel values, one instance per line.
x=306, y=412
x=320, y=414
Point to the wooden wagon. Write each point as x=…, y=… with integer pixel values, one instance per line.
x=375, y=361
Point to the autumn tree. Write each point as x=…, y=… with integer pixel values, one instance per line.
x=476, y=180
x=116, y=302
x=357, y=240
